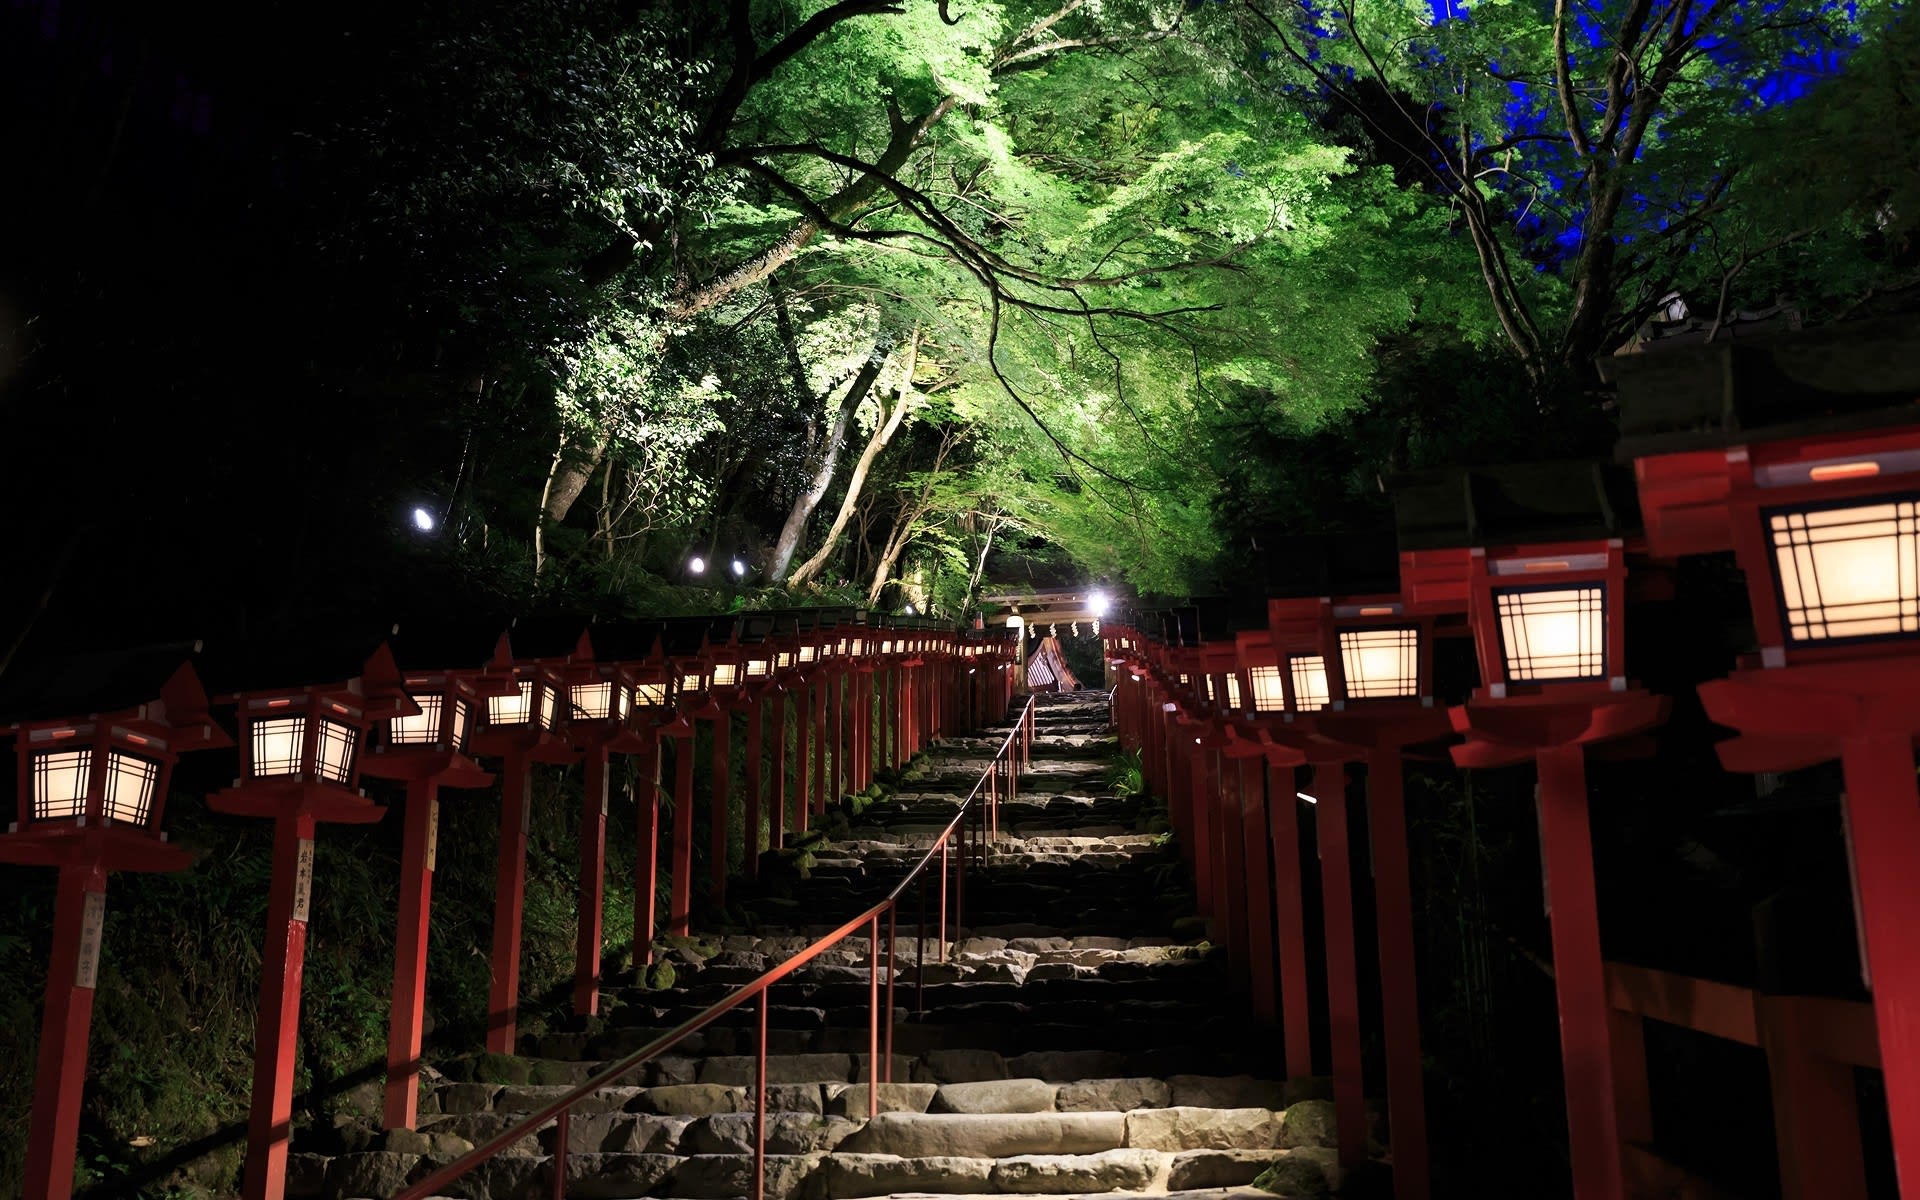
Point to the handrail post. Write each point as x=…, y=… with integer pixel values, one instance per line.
x=943, y=900
x=760, y=1102
x=563, y=1129
x=920, y=955
x=873, y=1017
x=892, y=909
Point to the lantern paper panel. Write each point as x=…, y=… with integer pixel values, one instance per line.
x=1269, y=691
x=1553, y=633
x=130, y=786
x=1381, y=663
x=1849, y=571
x=593, y=701
x=513, y=708
x=419, y=730
x=1310, y=690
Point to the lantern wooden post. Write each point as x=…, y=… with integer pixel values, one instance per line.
x=297, y=776
x=1329, y=790
x=781, y=792
x=754, y=780
x=592, y=881
x=92, y=795
x=646, y=868
x=509, y=901
x=822, y=755
x=426, y=751
x=680, y=890
x=1289, y=915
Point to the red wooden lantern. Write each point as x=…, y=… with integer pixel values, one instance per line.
x=92, y=793
x=426, y=749
x=1359, y=657
x=299, y=766
x=1536, y=555
x=1801, y=454
x=517, y=714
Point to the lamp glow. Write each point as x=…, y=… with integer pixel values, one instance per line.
x=697, y=565
x=739, y=568
x=1309, y=681
x=1381, y=662
x=1098, y=604
x=1849, y=572
x=1307, y=798
x=1553, y=633
x=1268, y=693
x=422, y=520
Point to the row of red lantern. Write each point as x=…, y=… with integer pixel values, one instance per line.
x=92, y=795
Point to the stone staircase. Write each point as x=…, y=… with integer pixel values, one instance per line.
x=1080, y=1038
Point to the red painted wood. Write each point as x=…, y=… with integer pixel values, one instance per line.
x=509, y=902
x=803, y=758
x=751, y=862
x=1343, y=984
x=680, y=882
x=646, y=867
x=1229, y=875
x=835, y=748
x=1290, y=921
x=821, y=756
x=717, y=814
x=1399, y=983
x=60, y=1074
x=1258, y=896
x=277, y=1027
x=1883, y=814
x=777, y=827
x=410, y=955
x=1200, y=812
x=592, y=882
x=1566, y=842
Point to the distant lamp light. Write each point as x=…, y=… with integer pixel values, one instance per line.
x=1308, y=799
x=909, y=608
x=739, y=569
x=697, y=565
x=423, y=520
x=1098, y=604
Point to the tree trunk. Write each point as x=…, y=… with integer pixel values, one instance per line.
x=980, y=563
x=883, y=432
x=831, y=445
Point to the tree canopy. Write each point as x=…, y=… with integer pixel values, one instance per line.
x=864, y=294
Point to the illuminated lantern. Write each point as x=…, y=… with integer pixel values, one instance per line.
x=1801, y=454
x=426, y=749
x=92, y=794
x=517, y=714
x=1359, y=658
x=1536, y=556
x=299, y=766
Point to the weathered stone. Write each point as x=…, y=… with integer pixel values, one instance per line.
x=466, y=1097
x=620, y=1133
x=850, y=1099
x=1202, y=1128
x=787, y=1133
x=794, y=1097
x=1219, y=1168
x=609, y=1176
x=1308, y=1123
x=903, y=1065
x=666, y=1072
x=960, y=1066
x=1065, y=1066
x=481, y=1127
x=714, y=1176
x=405, y=1141
x=306, y=1175
x=693, y=1099
x=1042, y=972
x=1112, y=1095
x=527, y=1098
x=972, y=1135
x=1108, y=1171
x=548, y=1071
x=781, y=1068
x=996, y=1096
x=1229, y=1091
x=1309, y=1173
x=377, y=1175
x=932, y=972
x=975, y=946
x=850, y=1175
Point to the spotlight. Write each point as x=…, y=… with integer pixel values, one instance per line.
x=422, y=519
x=739, y=569
x=1098, y=604
x=697, y=565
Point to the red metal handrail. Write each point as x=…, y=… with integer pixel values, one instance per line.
x=1015, y=753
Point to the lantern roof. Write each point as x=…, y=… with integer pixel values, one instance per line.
x=1856, y=376
x=1515, y=504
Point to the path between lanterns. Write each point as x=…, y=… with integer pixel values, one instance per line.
x=1079, y=1039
